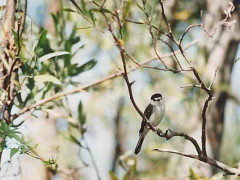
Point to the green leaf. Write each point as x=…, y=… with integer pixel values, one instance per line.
x=17, y=40
x=84, y=6
x=13, y=152
x=42, y=38
x=77, y=7
x=4, y=127
x=68, y=10
x=126, y=9
x=74, y=69
x=193, y=175
x=91, y=15
x=23, y=149
x=88, y=65
x=75, y=140
x=47, y=78
x=99, y=11
x=81, y=115
x=51, y=55
x=113, y=176
x=56, y=22
x=14, y=135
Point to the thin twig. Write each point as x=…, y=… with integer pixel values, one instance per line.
x=215, y=75
x=165, y=19
x=163, y=69
x=92, y=158
x=186, y=31
x=155, y=47
x=191, y=85
x=170, y=47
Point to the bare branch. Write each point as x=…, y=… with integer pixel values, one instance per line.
x=228, y=170
x=224, y=22
x=181, y=134
x=186, y=31
x=215, y=74
x=178, y=153
x=191, y=85
x=165, y=19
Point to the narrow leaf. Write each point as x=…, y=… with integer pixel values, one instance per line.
x=51, y=55
x=47, y=78
x=99, y=11
x=68, y=10
x=42, y=38
x=74, y=69
x=88, y=65
x=81, y=115
x=126, y=9
x=14, y=135
x=84, y=6
x=13, y=152
x=74, y=139
x=76, y=6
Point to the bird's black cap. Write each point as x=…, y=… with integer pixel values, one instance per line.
x=155, y=96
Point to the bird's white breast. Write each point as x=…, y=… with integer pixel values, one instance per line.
x=158, y=113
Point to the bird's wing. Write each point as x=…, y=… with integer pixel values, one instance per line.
x=148, y=112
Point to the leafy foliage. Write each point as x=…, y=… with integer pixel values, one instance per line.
x=8, y=132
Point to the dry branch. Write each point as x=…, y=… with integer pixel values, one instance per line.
x=228, y=170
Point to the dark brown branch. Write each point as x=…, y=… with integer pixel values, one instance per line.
x=119, y=136
x=170, y=47
x=165, y=19
x=186, y=31
x=204, y=110
x=181, y=134
x=10, y=90
x=155, y=47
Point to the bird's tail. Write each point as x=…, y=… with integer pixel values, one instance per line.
x=139, y=144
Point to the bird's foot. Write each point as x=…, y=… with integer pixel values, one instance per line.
x=166, y=133
x=159, y=132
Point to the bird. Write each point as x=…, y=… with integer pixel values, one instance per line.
x=154, y=112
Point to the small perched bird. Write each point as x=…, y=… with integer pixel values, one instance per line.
x=154, y=113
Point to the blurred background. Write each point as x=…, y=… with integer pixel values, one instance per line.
x=102, y=145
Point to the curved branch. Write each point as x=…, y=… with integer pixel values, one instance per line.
x=181, y=134
x=228, y=170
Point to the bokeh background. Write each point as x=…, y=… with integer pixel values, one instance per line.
x=111, y=122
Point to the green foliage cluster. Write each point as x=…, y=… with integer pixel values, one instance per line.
x=12, y=133
x=45, y=68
